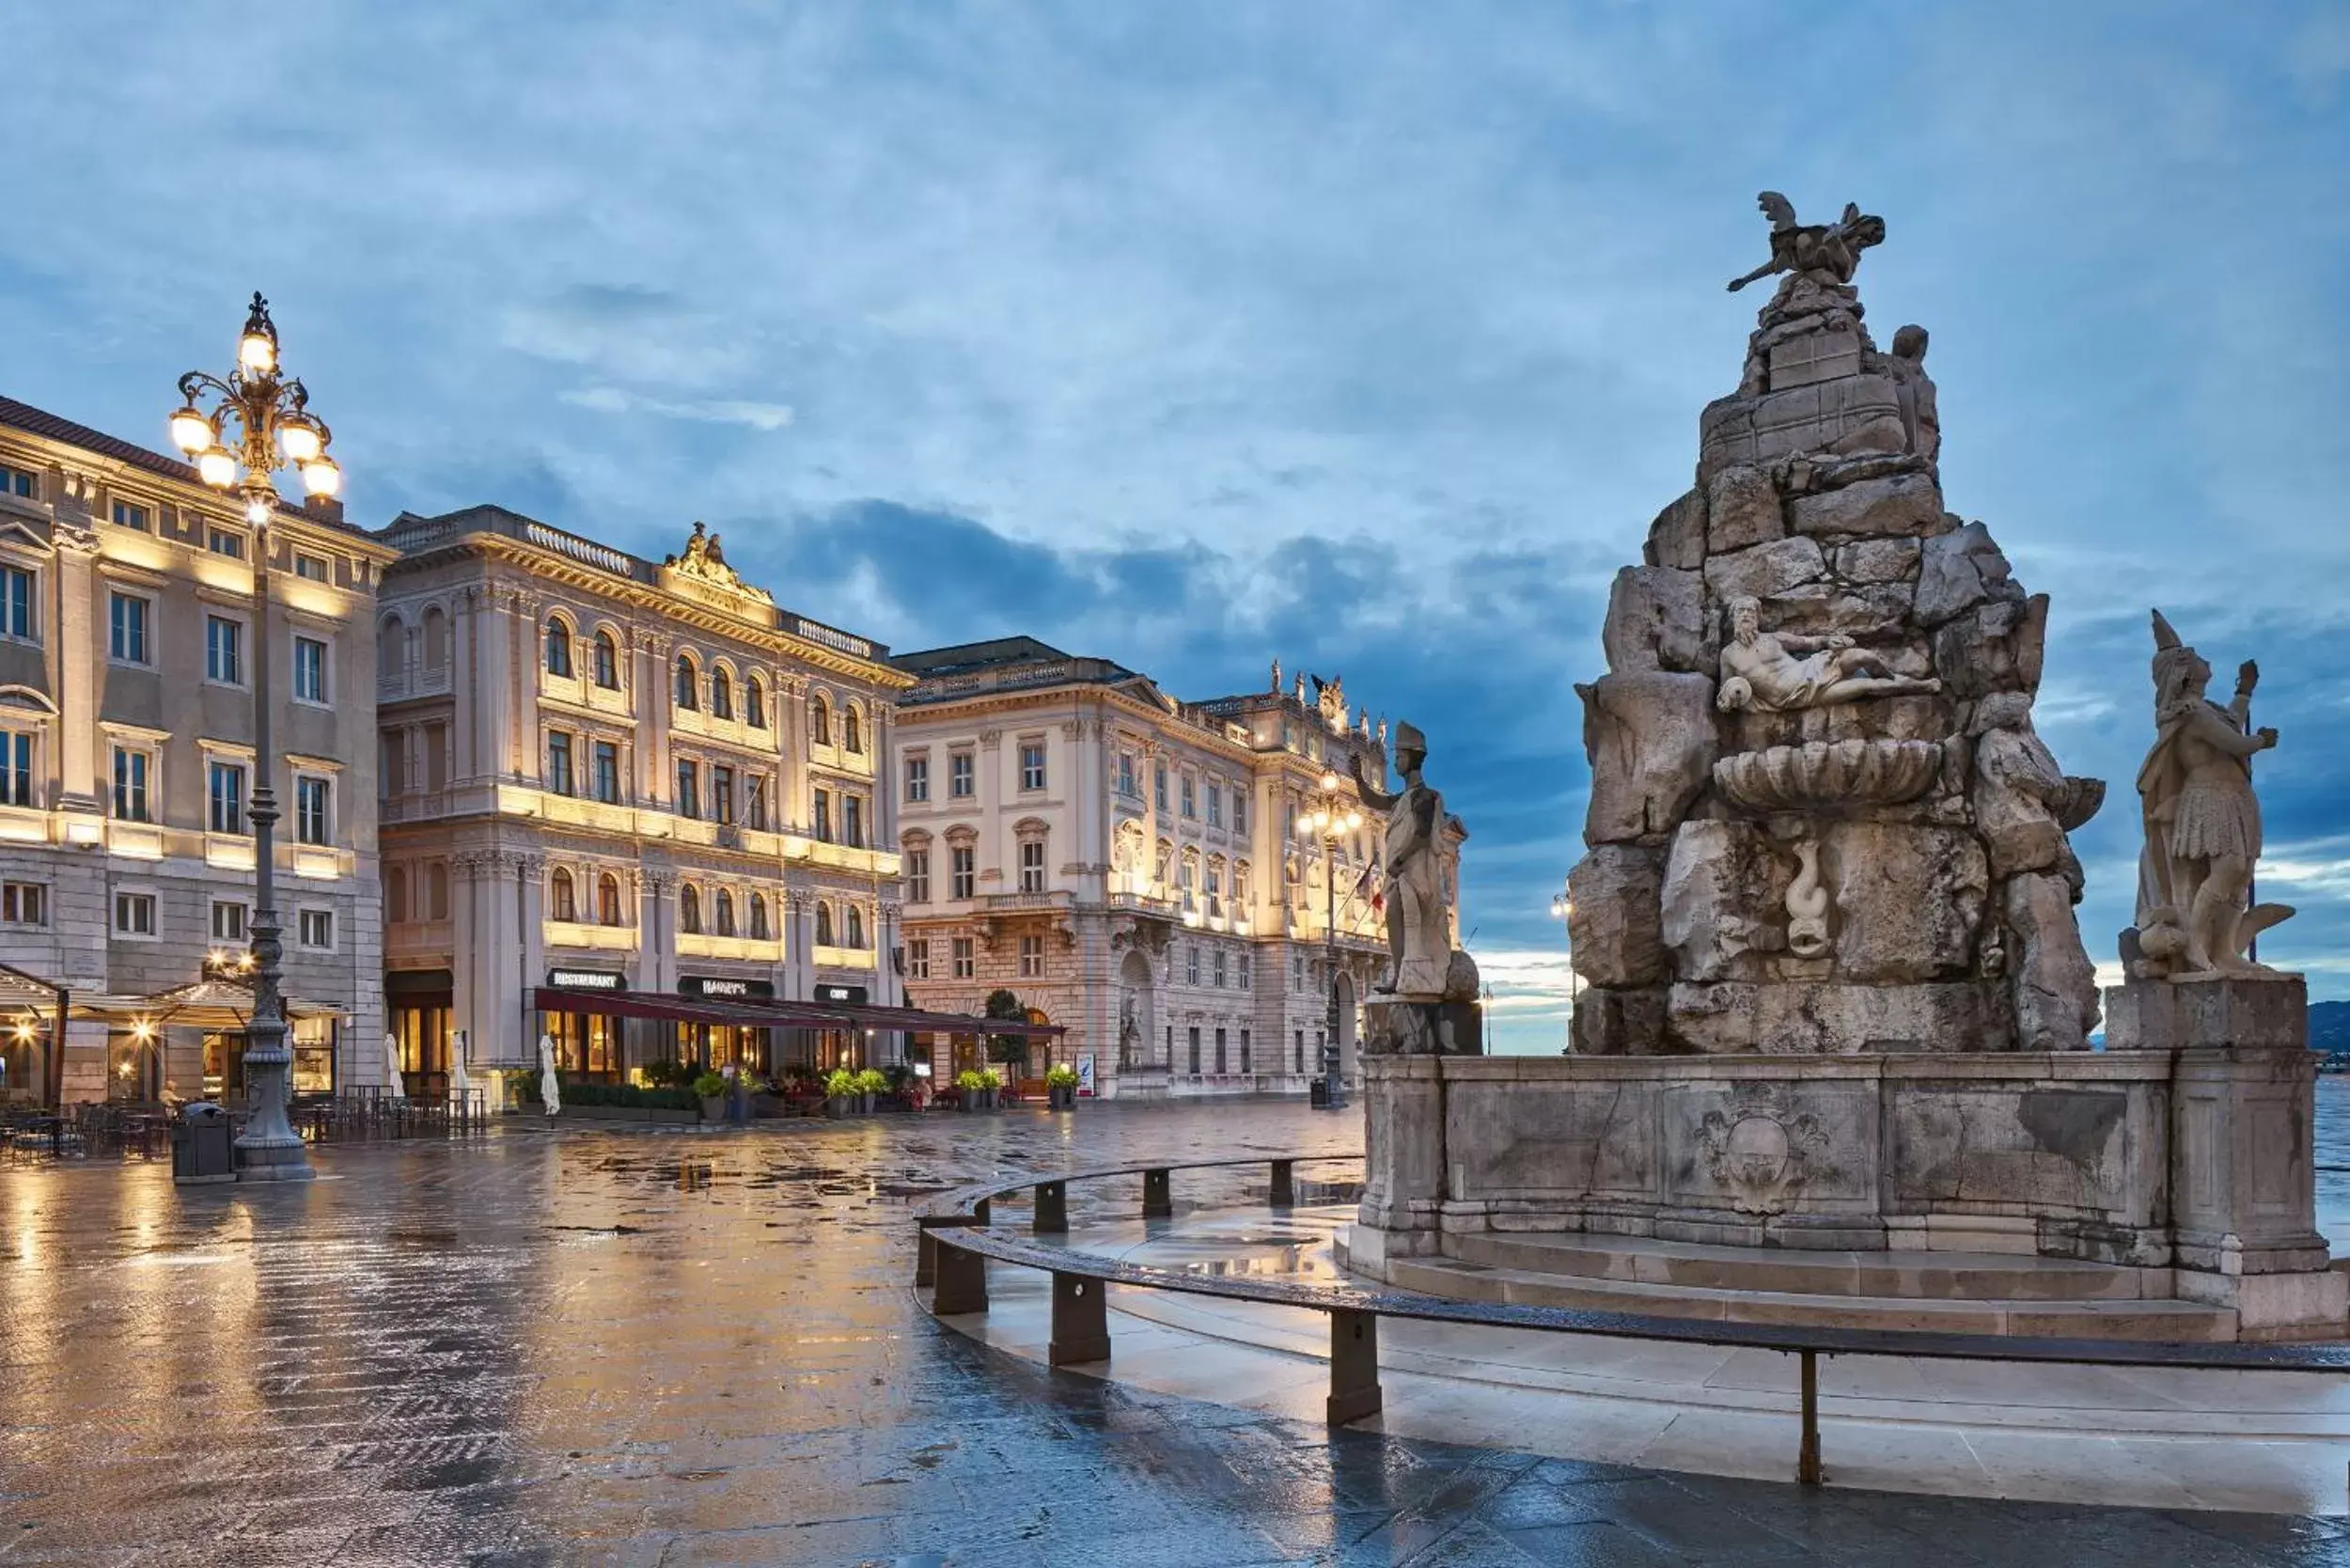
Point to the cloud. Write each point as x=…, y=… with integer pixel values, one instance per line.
x=723, y=411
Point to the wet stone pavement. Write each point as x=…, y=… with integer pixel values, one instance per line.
x=650, y=1348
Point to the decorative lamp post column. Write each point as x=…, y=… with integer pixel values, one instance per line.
x=1563, y=909
x=1332, y=818
x=258, y=424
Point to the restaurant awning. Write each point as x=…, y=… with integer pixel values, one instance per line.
x=204, y=1004
x=756, y=1012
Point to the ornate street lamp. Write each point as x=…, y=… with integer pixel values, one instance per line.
x=258, y=424
x=1333, y=818
x=1563, y=908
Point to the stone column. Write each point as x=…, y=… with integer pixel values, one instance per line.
x=78, y=654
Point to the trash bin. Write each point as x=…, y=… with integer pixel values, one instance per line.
x=1318, y=1094
x=203, y=1149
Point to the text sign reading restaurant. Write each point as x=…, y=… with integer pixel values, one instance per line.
x=587, y=979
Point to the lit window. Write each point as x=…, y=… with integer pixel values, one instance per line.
x=127, y=617
x=134, y=914
x=130, y=766
x=311, y=799
x=316, y=930
x=224, y=651
x=224, y=797
x=129, y=515
x=309, y=670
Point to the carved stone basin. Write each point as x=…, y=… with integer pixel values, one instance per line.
x=1826, y=774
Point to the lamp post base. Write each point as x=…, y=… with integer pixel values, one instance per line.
x=274, y=1161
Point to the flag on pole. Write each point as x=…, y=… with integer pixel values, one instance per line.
x=1364, y=886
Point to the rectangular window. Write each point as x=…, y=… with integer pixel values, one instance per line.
x=918, y=957
x=129, y=515
x=312, y=797
x=917, y=778
x=224, y=797
x=317, y=929
x=1195, y=1050
x=1031, y=957
x=755, y=803
x=722, y=795
x=1216, y=806
x=958, y=778
x=309, y=670
x=1301, y=1051
x=918, y=877
x=559, y=775
x=1219, y=1052
x=1191, y=803
x=24, y=904
x=1244, y=1050
x=689, y=790
x=315, y=567
x=959, y=872
x=225, y=541
x=1158, y=785
x=853, y=821
x=1240, y=814
x=16, y=603
x=824, y=816
x=126, y=629
x=1032, y=866
x=608, y=772
x=228, y=922
x=17, y=482
x=1125, y=773
x=130, y=766
x=16, y=768
x=224, y=651
x=1191, y=963
x=134, y=914
x=1033, y=764
x=1219, y=968
x=963, y=958
x=1248, y=969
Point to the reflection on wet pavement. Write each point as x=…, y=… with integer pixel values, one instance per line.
x=673, y=1348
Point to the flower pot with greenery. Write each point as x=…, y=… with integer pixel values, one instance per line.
x=840, y=1093
x=710, y=1088
x=970, y=1089
x=871, y=1083
x=991, y=1087
x=1060, y=1086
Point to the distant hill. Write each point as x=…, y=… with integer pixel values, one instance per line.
x=2329, y=1026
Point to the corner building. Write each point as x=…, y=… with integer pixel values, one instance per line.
x=649, y=792
x=128, y=649
x=1130, y=867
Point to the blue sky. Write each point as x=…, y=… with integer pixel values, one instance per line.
x=1368, y=335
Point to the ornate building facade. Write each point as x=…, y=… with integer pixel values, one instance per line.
x=1131, y=867
x=619, y=795
x=127, y=656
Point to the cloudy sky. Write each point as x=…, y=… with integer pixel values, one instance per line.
x=1368, y=335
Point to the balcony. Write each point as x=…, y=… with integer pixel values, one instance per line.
x=1053, y=901
x=582, y=933
x=845, y=958
x=1143, y=903
x=748, y=949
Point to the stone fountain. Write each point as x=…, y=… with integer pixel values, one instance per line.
x=1836, y=994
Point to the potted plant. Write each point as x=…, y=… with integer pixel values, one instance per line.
x=870, y=1082
x=1060, y=1086
x=840, y=1093
x=969, y=1086
x=991, y=1087
x=710, y=1088
x=762, y=1095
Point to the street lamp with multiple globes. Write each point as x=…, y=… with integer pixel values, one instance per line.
x=1333, y=818
x=1563, y=908
x=272, y=429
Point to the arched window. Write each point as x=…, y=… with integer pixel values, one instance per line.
x=856, y=927
x=759, y=918
x=755, y=703
x=608, y=899
x=724, y=903
x=689, y=910
x=688, y=688
x=607, y=662
x=395, y=893
x=391, y=647
x=721, y=694
x=851, y=729
x=558, y=646
x=562, y=901
x=823, y=924
x=820, y=720
x=435, y=639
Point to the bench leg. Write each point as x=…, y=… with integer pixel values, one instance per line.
x=962, y=1281
x=1158, y=1198
x=1807, y=1457
x=1284, y=1185
x=1052, y=1209
x=1081, y=1323
x=1353, y=1367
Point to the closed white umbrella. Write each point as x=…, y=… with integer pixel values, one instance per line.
x=549, y=1090
x=395, y=1088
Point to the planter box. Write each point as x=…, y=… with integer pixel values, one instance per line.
x=1059, y=1098
x=714, y=1107
x=660, y=1116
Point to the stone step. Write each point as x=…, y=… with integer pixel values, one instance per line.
x=2166, y=1321
x=1901, y=1276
